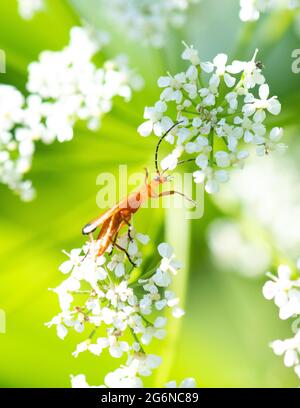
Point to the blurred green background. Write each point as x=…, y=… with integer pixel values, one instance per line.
x=223, y=339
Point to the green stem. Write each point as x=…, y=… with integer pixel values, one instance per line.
x=233, y=114
x=211, y=143
x=200, y=83
x=190, y=112
x=178, y=235
x=145, y=320
x=137, y=340
x=195, y=104
x=92, y=334
x=244, y=40
x=225, y=140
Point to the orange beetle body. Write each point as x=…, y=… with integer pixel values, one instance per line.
x=114, y=219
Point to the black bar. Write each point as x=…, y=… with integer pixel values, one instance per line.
x=98, y=397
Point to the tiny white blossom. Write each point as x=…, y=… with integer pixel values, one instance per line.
x=79, y=381
x=253, y=104
x=271, y=143
x=289, y=349
x=284, y=291
x=156, y=121
x=186, y=383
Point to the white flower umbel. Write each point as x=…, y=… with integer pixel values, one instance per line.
x=221, y=109
x=28, y=8
x=71, y=87
x=106, y=296
x=129, y=376
x=16, y=142
x=64, y=87
x=284, y=289
x=147, y=21
x=252, y=9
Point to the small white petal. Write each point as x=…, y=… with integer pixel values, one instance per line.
x=165, y=250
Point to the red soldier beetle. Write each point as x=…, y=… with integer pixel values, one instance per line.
x=119, y=216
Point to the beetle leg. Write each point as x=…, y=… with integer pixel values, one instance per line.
x=146, y=176
x=129, y=230
x=125, y=221
x=114, y=239
x=172, y=192
x=127, y=254
x=129, y=234
x=92, y=241
x=113, y=243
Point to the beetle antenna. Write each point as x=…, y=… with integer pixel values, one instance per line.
x=182, y=162
x=185, y=161
x=159, y=142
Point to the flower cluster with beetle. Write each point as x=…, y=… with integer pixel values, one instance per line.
x=220, y=109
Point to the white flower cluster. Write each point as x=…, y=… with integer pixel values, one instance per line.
x=148, y=20
x=16, y=142
x=125, y=377
x=70, y=87
x=284, y=289
x=101, y=294
x=219, y=114
x=251, y=9
x=28, y=8
x=64, y=87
